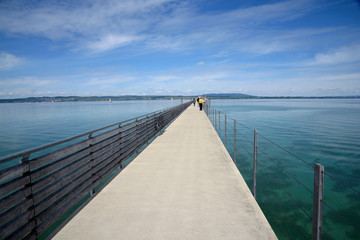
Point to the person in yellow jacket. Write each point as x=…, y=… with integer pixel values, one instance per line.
x=200, y=103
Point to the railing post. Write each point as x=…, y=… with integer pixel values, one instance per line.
x=225, y=130
x=91, y=160
x=137, y=131
x=215, y=119
x=28, y=185
x=318, y=201
x=213, y=116
x=255, y=163
x=234, y=140
x=219, y=125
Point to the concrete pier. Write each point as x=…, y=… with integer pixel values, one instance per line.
x=184, y=185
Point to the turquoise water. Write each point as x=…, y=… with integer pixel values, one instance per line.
x=293, y=135
x=25, y=126
x=28, y=125
x=312, y=131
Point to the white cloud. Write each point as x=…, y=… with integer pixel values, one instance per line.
x=167, y=24
x=252, y=30
x=340, y=55
x=8, y=61
x=67, y=20
x=112, y=41
x=278, y=40
x=341, y=77
x=163, y=78
x=26, y=81
x=109, y=81
x=200, y=63
x=269, y=13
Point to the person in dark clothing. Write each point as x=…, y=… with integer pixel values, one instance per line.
x=200, y=103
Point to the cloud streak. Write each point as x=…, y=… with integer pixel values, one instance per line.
x=159, y=24
x=26, y=81
x=108, y=81
x=64, y=20
x=8, y=61
x=344, y=54
x=112, y=41
x=171, y=46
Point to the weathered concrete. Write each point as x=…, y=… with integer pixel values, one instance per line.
x=184, y=185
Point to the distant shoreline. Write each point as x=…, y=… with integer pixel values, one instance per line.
x=87, y=99
x=127, y=98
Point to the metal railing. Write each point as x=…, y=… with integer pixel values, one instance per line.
x=42, y=186
x=277, y=169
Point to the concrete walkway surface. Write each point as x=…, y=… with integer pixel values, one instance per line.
x=184, y=185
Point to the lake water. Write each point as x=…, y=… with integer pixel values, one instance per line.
x=28, y=125
x=293, y=135
x=311, y=131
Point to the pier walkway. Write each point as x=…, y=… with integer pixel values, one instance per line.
x=184, y=185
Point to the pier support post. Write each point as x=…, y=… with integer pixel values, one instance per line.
x=318, y=201
x=234, y=140
x=255, y=163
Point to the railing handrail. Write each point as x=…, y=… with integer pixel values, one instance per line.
x=58, y=142
x=38, y=191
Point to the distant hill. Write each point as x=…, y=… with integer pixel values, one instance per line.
x=118, y=98
x=154, y=97
x=245, y=96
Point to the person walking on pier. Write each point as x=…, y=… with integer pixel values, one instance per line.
x=194, y=101
x=200, y=103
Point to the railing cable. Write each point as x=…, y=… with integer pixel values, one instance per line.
x=344, y=184
x=299, y=158
x=283, y=210
x=241, y=124
x=341, y=216
x=284, y=170
x=292, y=198
x=326, y=233
x=246, y=150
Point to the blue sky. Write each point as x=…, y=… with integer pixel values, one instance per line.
x=188, y=47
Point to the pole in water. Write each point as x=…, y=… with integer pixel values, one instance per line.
x=255, y=163
x=234, y=140
x=318, y=201
x=225, y=130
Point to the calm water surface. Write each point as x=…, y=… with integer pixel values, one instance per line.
x=28, y=125
x=312, y=131
x=315, y=131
